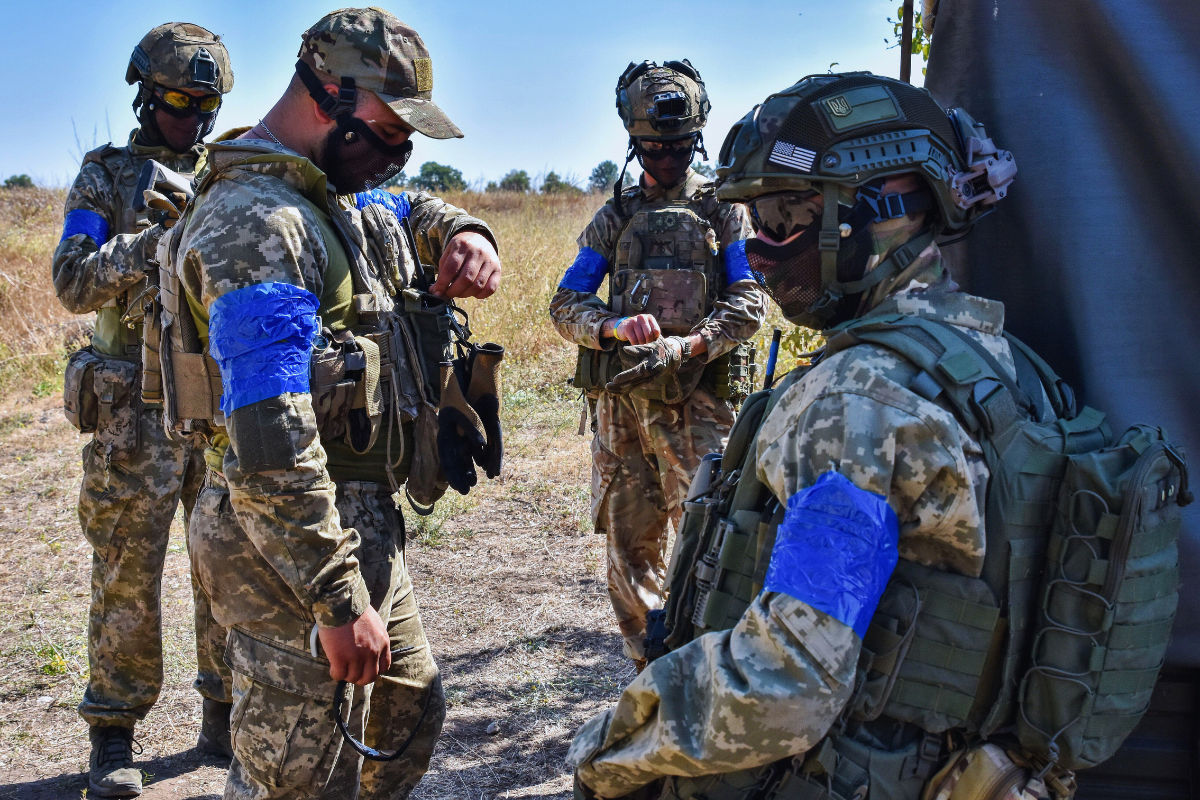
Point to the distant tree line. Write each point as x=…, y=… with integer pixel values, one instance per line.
x=437, y=178
x=18, y=182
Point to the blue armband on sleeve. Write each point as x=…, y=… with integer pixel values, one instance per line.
x=737, y=267
x=261, y=337
x=835, y=550
x=81, y=220
x=587, y=273
x=397, y=203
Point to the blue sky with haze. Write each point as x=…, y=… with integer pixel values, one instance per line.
x=530, y=84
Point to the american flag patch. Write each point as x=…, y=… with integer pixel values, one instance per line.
x=789, y=155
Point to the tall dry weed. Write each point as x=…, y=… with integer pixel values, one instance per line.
x=35, y=330
x=536, y=233
x=537, y=243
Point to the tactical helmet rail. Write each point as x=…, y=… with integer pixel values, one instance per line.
x=181, y=56
x=844, y=135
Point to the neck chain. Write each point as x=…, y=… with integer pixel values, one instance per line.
x=268, y=130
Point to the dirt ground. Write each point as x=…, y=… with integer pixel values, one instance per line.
x=510, y=583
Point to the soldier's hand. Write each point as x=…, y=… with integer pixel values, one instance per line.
x=357, y=651
x=469, y=267
x=164, y=209
x=640, y=329
x=647, y=362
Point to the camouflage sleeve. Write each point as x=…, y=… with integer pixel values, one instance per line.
x=848, y=415
x=576, y=311
x=435, y=222
x=250, y=231
x=769, y=688
x=91, y=266
x=742, y=308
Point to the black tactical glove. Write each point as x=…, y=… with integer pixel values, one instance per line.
x=647, y=362
x=483, y=395
x=461, y=437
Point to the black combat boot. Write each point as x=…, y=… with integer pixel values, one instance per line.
x=111, y=772
x=214, y=729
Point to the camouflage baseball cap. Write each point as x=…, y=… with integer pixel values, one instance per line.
x=383, y=55
x=182, y=56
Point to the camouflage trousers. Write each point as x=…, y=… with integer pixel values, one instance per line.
x=644, y=453
x=126, y=509
x=285, y=737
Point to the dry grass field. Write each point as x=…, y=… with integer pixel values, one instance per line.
x=510, y=579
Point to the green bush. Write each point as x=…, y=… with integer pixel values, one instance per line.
x=438, y=178
x=18, y=182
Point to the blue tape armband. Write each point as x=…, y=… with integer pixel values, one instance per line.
x=261, y=337
x=397, y=203
x=737, y=266
x=835, y=550
x=587, y=273
x=81, y=220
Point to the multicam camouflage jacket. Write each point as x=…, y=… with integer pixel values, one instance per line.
x=100, y=263
x=259, y=222
x=772, y=686
x=735, y=317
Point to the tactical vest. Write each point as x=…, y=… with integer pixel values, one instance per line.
x=376, y=371
x=665, y=264
x=1051, y=655
x=120, y=319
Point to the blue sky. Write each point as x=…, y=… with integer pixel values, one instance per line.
x=530, y=84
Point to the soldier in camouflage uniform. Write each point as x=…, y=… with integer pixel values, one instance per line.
x=135, y=475
x=298, y=536
x=850, y=432
x=656, y=420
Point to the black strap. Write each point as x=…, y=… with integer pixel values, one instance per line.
x=1028, y=380
x=334, y=106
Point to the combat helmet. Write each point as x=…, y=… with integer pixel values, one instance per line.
x=179, y=55
x=660, y=104
x=856, y=130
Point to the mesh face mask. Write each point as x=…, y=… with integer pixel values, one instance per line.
x=355, y=159
x=791, y=273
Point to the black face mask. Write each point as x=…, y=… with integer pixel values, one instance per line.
x=791, y=273
x=357, y=160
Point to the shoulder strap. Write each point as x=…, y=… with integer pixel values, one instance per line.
x=949, y=363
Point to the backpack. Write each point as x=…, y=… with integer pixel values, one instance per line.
x=1054, y=649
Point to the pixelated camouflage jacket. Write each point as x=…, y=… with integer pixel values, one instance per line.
x=772, y=686
x=254, y=223
x=87, y=274
x=736, y=316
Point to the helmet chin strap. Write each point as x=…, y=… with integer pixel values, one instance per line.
x=618, y=205
x=832, y=291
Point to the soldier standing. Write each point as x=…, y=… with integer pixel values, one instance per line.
x=287, y=265
x=682, y=298
x=134, y=473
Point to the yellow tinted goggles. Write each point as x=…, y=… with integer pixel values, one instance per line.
x=180, y=101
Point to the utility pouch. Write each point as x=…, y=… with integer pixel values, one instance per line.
x=1108, y=599
x=79, y=393
x=595, y=368
x=151, y=311
x=117, y=408
x=426, y=484
x=333, y=390
x=732, y=375
x=677, y=298
x=927, y=649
